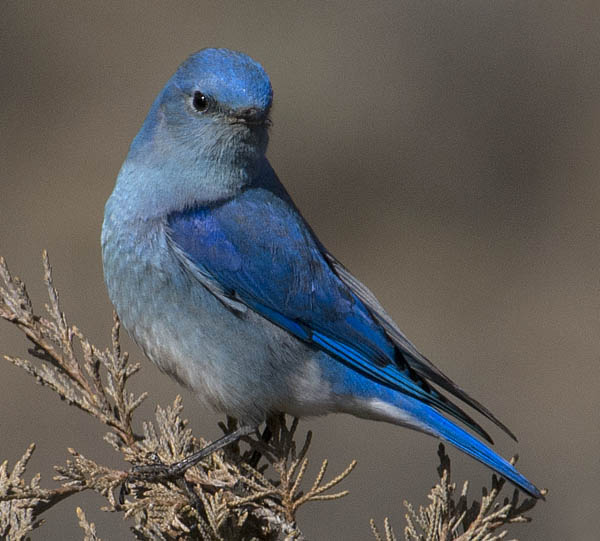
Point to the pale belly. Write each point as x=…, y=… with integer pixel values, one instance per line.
x=240, y=364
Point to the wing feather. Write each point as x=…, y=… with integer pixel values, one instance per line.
x=417, y=361
x=256, y=252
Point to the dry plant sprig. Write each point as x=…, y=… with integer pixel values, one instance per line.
x=17, y=517
x=228, y=495
x=76, y=379
x=447, y=518
x=242, y=494
x=89, y=528
x=281, y=453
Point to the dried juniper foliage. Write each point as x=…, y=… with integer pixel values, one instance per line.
x=447, y=518
x=17, y=517
x=248, y=491
x=89, y=528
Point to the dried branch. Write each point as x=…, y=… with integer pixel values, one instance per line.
x=77, y=380
x=447, y=518
x=284, y=494
x=89, y=528
x=251, y=493
x=248, y=491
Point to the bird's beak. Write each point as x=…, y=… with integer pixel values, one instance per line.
x=251, y=117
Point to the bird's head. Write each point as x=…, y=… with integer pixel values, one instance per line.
x=215, y=107
x=204, y=138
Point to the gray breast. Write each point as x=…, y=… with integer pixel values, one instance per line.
x=238, y=363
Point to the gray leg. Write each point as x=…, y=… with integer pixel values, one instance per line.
x=160, y=472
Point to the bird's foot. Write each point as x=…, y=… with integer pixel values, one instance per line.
x=153, y=472
x=157, y=471
x=265, y=437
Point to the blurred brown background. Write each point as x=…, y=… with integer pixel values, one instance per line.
x=447, y=152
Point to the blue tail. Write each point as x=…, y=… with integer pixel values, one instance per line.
x=461, y=439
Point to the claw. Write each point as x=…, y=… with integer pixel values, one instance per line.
x=124, y=491
x=151, y=472
x=158, y=471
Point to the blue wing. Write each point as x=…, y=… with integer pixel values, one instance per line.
x=256, y=251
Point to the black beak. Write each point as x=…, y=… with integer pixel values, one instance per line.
x=251, y=117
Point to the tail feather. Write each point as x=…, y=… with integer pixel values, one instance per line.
x=464, y=441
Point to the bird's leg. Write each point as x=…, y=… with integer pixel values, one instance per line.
x=178, y=468
x=159, y=471
x=256, y=455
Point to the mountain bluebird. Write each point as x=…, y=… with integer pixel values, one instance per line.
x=219, y=279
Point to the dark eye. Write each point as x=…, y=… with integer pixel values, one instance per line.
x=200, y=102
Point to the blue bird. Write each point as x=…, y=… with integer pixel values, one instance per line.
x=219, y=279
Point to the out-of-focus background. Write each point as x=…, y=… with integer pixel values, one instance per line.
x=446, y=152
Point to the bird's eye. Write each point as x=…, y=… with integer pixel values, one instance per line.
x=200, y=102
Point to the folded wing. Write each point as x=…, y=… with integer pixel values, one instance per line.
x=256, y=252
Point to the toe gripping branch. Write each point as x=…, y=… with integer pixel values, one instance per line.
x=161, y=472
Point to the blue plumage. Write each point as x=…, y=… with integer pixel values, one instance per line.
x=218, y=277
x=227, y=244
